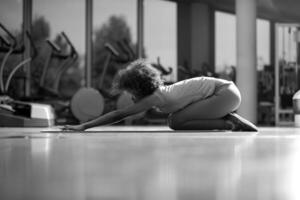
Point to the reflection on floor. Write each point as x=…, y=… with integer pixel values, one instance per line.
x=149, y=163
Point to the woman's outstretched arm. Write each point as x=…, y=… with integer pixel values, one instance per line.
x=117, y=115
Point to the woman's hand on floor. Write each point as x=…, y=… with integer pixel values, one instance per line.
x=73, y=128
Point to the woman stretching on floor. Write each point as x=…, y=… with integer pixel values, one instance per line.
x=201, y=103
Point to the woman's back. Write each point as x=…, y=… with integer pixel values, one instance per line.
x=178, y=95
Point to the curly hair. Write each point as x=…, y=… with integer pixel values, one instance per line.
x=139, y=78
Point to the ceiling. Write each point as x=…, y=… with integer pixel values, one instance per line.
x=277, y=10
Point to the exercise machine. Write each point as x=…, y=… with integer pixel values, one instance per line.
x=66, y=60
x=14, y=113
x=48, y=92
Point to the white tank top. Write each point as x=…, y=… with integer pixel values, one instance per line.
x=178, y=95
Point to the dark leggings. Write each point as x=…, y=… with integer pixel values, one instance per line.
x=207, y=114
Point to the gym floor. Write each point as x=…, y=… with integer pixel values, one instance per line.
x=149, y=163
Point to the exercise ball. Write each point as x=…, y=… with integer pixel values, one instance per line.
x=87, y=104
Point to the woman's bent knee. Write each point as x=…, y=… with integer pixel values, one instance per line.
x=231, y=97
x=237, y=97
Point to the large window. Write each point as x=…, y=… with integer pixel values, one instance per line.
x=115, y=30
x=225, y=36
x=50, y=19
x=225, y=49
x=263, y=43
x=67, y=16
x=11, y=14
x=160, y=32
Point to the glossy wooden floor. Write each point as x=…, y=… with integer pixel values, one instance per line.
x=149, y=163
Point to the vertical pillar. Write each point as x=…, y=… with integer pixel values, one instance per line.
x=88, y=42
x=27, y=20
x=272, y=44
x=212, y=38
x=200, y=35
x=246, y=57
x=183, y=34
x=140, y=28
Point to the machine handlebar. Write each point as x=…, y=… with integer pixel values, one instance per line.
x=5, y=41
x=111, y=49
x=73, y=50
x=53, y=46
x=9, y=34
x=57, y=50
